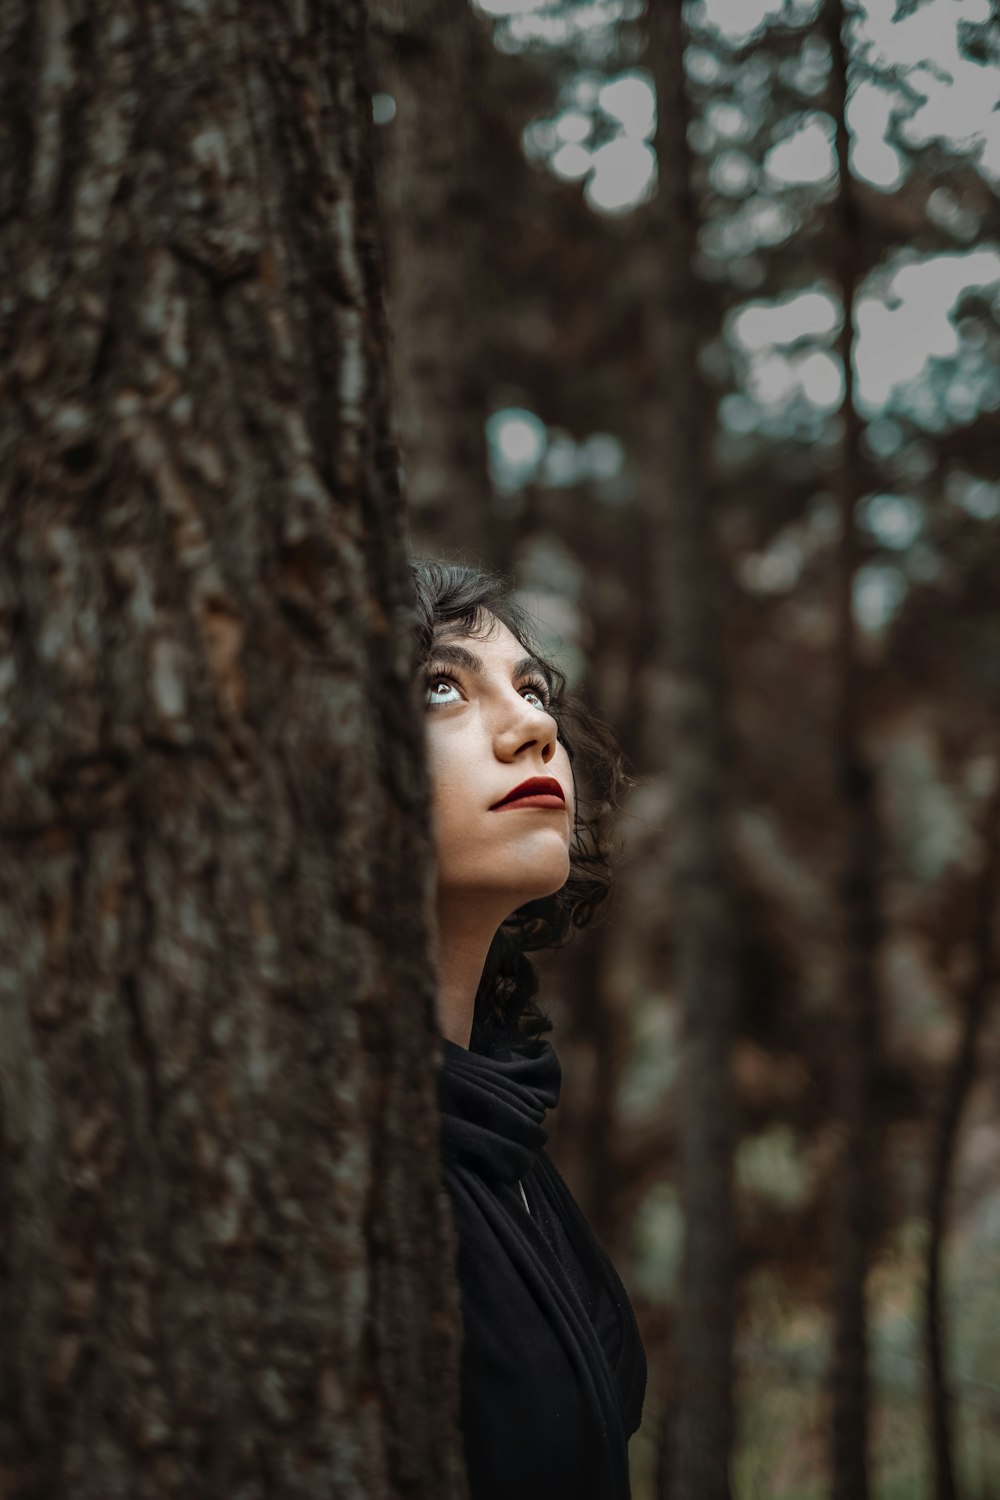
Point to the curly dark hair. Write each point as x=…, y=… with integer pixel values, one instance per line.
x=453, y=599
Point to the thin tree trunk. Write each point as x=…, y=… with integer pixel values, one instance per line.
x=858, y=1014
x=975, y=1002
x=431, y=176
x=687, y=630
x=585, y=1138
x=226, y=1254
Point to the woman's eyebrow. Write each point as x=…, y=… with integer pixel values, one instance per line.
x=459, y=656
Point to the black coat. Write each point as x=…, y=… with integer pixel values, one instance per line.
x=553, y=1368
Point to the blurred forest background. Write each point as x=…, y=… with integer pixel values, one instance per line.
x=695, y=334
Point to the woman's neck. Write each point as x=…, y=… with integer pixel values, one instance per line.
x=465, y=930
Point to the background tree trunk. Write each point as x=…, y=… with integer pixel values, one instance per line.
x=860, y=927
x=586, y=1134
x=688, y=723
x=226, y=1263
x=975, y=1005
x=433, y=192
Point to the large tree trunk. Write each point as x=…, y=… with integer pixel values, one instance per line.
x=431, y=192
x=687, y=727
x=226, y=1255
x=858, y=990
x=975, y=997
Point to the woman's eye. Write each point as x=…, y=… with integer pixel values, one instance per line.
x=539, y=695
x=434, y=687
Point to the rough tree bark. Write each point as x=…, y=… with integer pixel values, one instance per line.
x=225, y=1264
x=857, y=1018
x=689, y=727
x=975, y=997
x=431, y=191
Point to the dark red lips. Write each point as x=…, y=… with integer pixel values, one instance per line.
x=536, y=786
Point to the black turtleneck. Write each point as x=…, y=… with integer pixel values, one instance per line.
x=553, y=1369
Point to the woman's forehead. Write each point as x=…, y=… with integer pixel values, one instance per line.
x=493, y=634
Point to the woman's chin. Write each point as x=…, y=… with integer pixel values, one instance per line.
x=543, y=885
x=511, y=885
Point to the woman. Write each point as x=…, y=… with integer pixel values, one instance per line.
x=553, y=1369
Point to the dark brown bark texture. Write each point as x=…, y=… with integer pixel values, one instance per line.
x=225, y=1253
x=688, y=718
x=431, y=186
x=858, y=1001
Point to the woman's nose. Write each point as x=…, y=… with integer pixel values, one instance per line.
x=525, y=727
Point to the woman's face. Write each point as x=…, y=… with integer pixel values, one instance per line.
x=488, y=732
